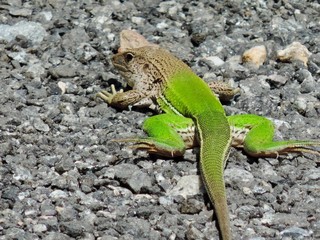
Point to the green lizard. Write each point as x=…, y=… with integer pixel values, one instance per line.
x=192, y=115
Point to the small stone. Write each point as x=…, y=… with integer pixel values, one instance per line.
x=194, y=233
x=138, y=20
x=186, y=186
x=57, y=235
x=162, y=25
x=38, y=228
x=35, y=70
x=124, y=171
x=246, y=191
x=163, y=182
x=15, y=233
x=302, y=74
x=214, y=60
x=132, y=175
x=33, y=31
x=73, y=228
x=47, y=208
x=295, y=233
x=40, y=125
x=308, y=85
x=314, y=174
x=10, y=193
x=64, y=165
x=54, y=89
x=22, y=12
x=166, y=201
x=236, y=176
x=21, y=173
x=262, y=187
x=191, y=206
x=47, y=15
x=58, y=194
x=85, y=52
x=64, y=71
x=295, y=51
x=139, y=180
x=255, y=56
x=66, y=213
x=20, y=57
x=87, y=183
x=284, y=219
x=277, y=80
x=15, y=3
x=301, y=104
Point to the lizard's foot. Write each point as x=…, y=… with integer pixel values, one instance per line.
x=274, y=149
x=108, y=96
x=223, y=90
x=152, y=146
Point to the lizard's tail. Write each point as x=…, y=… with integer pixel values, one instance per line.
x=215, y=140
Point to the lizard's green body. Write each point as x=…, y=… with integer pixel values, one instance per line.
x=192, y=115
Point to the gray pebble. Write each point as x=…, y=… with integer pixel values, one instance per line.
x=74, y=228
x=63, y=71
x=308, y=85
x=236, y=176
x=17, y=233
x=39, y=124
x=33, y=31
x=21, y=12
x=21, y=173
x=57, y=235
x=67, y=213
x=47, y=208
x=186, y=186
x=295, y=233
x=139, y=180
x=58, y=194
x=194, y=233
x=38, y=228
x=21, y=57
x=133, y=176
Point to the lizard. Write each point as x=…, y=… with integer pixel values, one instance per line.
x=191, y=114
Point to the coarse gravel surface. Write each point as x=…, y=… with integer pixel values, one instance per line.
x=62, y=178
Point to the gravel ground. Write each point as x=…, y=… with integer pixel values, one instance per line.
x=62, y=178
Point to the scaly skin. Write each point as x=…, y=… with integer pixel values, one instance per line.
x=193, y=116
x=160, y=79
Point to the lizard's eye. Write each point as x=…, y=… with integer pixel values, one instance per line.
x=128, y=57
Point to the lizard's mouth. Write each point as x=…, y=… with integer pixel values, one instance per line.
x=120, y=67
x=125, y=72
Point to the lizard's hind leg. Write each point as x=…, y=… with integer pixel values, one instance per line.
x=255, y=135
x=168, y=135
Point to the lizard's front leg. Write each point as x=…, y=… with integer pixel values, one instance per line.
x=138, y=98
x=122, y=100
x=168, y=135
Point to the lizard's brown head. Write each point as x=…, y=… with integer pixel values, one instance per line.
x=134, y=64
x=145, y=64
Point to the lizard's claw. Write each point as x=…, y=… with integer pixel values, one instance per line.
x=151, y=146
x=223, y=90
x=108, y=96
x=138, y=144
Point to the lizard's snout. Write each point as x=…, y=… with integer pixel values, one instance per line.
x=114, y=59
x=119, y=62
